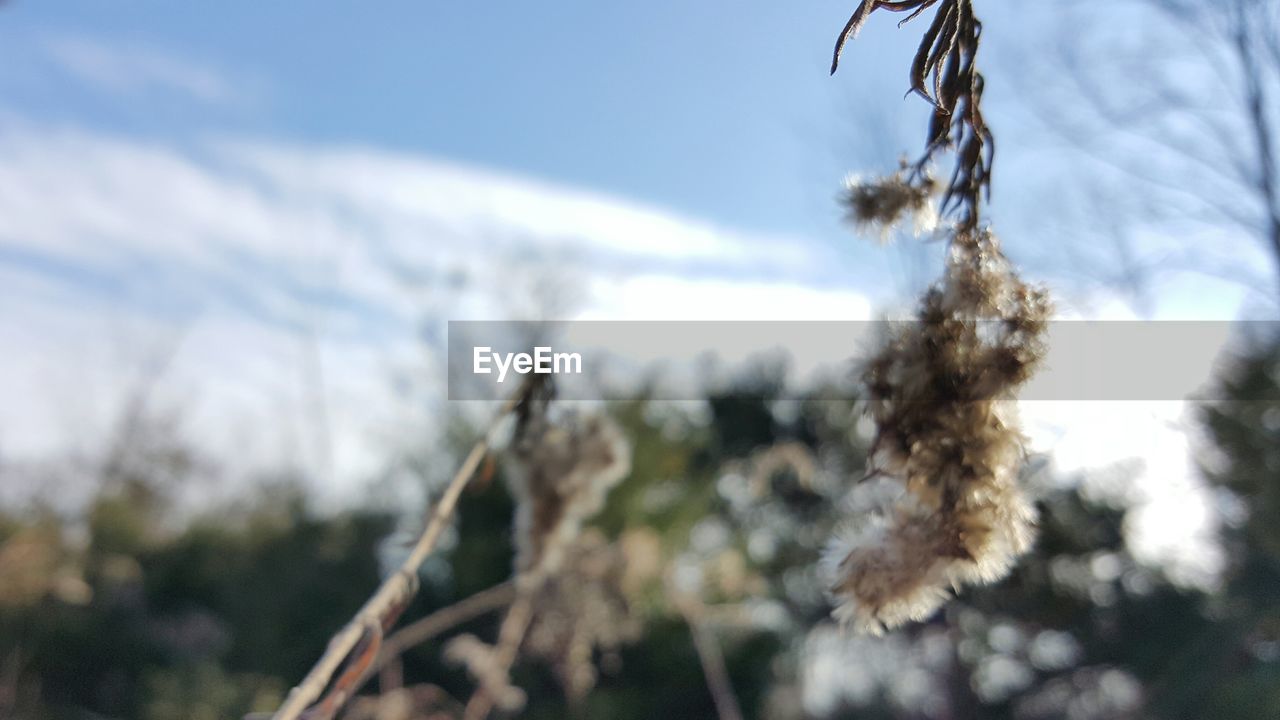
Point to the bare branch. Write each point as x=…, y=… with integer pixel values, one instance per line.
x=358, y=644
x=1268, y=183
x=510, y=636
x=444, y=619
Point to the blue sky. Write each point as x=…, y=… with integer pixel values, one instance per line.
x=720, y=109
x=717, y=110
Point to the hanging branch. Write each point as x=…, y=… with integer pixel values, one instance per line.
x=356, y=647
x=944, y=73
x=941, y=505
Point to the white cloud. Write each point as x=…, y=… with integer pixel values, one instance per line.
x=293, y=282
x=132, y=70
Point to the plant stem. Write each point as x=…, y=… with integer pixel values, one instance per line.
x=712, y=660
x=381, y=610
x=445, y=618
x=510, y=635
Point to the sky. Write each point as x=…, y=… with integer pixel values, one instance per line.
x=261, y=214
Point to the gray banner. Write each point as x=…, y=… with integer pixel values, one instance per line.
x=1087, y=360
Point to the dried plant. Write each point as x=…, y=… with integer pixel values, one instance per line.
x=883, y=203
x=940, y=506
x=485, y=664
x=583, y=611
x=354, y=649
x=561, y=473
x=570, y=617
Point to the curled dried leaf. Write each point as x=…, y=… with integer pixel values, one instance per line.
x=944, y=72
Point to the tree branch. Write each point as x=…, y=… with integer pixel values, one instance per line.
x=1256, y=103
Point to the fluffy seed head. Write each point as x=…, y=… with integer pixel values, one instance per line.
x=583, y=612
x=882, y=203
x=562, y=474
x=945, y=508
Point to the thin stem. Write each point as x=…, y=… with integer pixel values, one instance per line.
x=712, y=660
x=382, y=609
x=510, y=636
x=444, y=619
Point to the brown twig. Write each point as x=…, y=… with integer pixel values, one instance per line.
x=359, y=643
x=445, y=618
x=387, y=665
x=510, y=636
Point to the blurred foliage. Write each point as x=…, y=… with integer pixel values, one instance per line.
x=122, y=612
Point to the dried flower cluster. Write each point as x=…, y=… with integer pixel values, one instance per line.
x=942, y=506
x=884, y=203
x=568, y=603
x=562, y=474
x=582, y=611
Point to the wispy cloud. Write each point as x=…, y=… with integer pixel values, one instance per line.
x=136, y=70
x=283, y=268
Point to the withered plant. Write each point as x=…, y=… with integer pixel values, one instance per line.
x=562, y=471
x=940, y=505
x=944, y=72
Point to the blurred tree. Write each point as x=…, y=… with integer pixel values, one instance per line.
x=736, y=497
x=1180, y=129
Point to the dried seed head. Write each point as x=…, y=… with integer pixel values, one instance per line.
x=883, y=203
x=583, y=610
x=945, y=508
x=562, y=473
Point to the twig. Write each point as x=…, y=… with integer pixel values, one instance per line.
x=712, y=661
x=359, y=643
x=445, y=618
x=387, y=664
x=510, y=636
